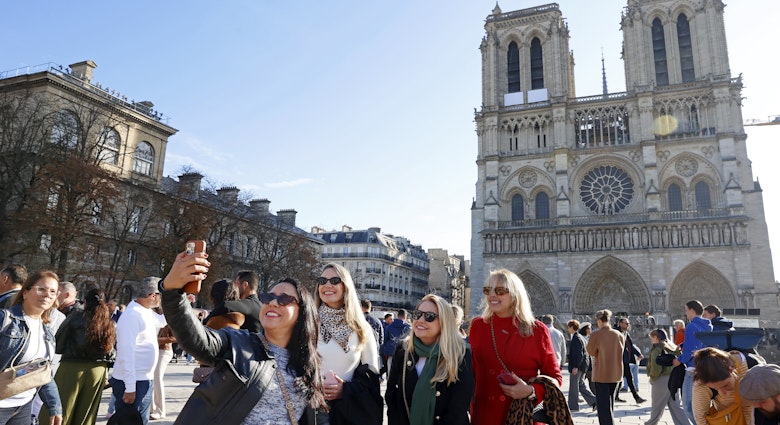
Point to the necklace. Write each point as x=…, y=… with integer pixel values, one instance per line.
x=287, y=400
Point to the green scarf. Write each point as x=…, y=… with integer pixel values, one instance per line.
x=424, y=396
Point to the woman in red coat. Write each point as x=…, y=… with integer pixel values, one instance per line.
x=507, y=338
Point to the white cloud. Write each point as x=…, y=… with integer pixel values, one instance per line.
x=288, y=183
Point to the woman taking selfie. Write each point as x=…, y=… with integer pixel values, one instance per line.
x=431, y=380
x=270, y=377
x=510, y=348
x=350, y=356
x=28, y=318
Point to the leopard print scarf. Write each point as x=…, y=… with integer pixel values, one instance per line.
x=333, y=324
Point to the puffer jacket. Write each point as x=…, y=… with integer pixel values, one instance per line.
x=243, y=369
x=14, y=339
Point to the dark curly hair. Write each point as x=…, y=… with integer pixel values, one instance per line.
x=302, y=348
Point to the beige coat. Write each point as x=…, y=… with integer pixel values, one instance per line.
x=606, y=347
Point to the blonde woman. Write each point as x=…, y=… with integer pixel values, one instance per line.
x=350, y=355
x=431, y=380
x=508, y=339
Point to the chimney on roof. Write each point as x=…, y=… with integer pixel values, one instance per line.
x=260, y=206
x=189, y=184
x=228, y=194
x=287, y=217
x=317, y=229
x=375, y=229
x=346, y=228
x=83, y=70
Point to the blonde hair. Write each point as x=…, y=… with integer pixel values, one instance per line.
x=452, y=347
x=523, y=316
x=353, y=313
x=678, y=324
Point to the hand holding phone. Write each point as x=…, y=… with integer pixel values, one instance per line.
x=330, y=378
x=506, y=378
x=192, y=247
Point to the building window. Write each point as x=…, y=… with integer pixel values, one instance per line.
x=674, y=197
x=65, y=129
x=45, y=242
x=108, y=147
x=703, y=200
x=143, y=159
x=513, y=67
x=659, y=53
x=542, y=206
x=52, y=200
x=97, y=213
x=135, y=220
x=537, y=65
x=607, y=190
x=518, y=209
x=132, y=257
x=231, y=244
x=686, y=48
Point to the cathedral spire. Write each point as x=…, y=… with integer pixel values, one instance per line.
x=603, y=74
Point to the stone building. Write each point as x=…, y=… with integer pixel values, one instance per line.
x=388, y=270
x=636, y=201
x=99, y=209
x=449, y=277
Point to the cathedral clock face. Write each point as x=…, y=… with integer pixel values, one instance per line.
x=607, y=190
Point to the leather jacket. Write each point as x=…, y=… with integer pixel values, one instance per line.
x=14, y=339
x=72, y=340
x=242, y=367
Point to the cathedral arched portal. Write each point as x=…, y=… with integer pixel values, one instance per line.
x=700, y=281
x=543, y=301
x=613, y=284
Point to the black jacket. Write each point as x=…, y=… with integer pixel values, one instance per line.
x=72, y=340
x=578, y=356
x=242, y=368
x=249, y=307
x=452, y=401
x=629, y=351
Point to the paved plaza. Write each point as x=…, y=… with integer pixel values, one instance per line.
x=179, y=387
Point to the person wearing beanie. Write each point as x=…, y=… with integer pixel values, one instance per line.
x=761, y=387
x=660, y=397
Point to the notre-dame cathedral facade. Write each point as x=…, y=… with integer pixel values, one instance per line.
x=636, y=201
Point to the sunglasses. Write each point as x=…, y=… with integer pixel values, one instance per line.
x=498, y=290
x=281, y=299
x=429, y=315
x=335, y=280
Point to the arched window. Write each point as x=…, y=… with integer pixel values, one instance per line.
x=513, y=67
x=703, y=201
x=659, y=53
x=686, y=48
x=542, y=206
x=143, y=159
x=518, y=209
x=65, y=129
x=537, y=65
x=674, y=197
x=108, y=146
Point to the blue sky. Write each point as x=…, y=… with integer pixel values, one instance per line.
x=356, y=113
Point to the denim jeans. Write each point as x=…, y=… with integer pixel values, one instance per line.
x=687, y=394
x=143, y=396
x=16, y=415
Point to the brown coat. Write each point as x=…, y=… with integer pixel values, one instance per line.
x=606, y=347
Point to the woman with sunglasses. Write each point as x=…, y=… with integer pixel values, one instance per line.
x=350, y=356
x=267, y=377
x=431, y=380
x=26, y=336
x=510, y=348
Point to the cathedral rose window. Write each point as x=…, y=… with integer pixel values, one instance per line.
x=606, y=190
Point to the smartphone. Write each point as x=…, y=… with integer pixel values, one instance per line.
x=330, y=378
x=192, y=247
x=506, y=378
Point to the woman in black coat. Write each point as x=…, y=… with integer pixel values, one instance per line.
x=431, y=380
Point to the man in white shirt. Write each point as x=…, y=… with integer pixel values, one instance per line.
x=558, y=340
x=137, y=349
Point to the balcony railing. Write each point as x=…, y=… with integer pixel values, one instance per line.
x=615, y=218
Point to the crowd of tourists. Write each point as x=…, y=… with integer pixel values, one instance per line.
x=294, y=356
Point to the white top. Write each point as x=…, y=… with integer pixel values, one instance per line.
x=559, y=343
x=36, y=348
x=136, y=345
x=344, y=364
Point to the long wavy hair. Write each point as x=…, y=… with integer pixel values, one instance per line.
x=353, y=313
x=452, y=347
x=522, y=315
x=30, y=282
x=302, y=348
x=100, y=330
